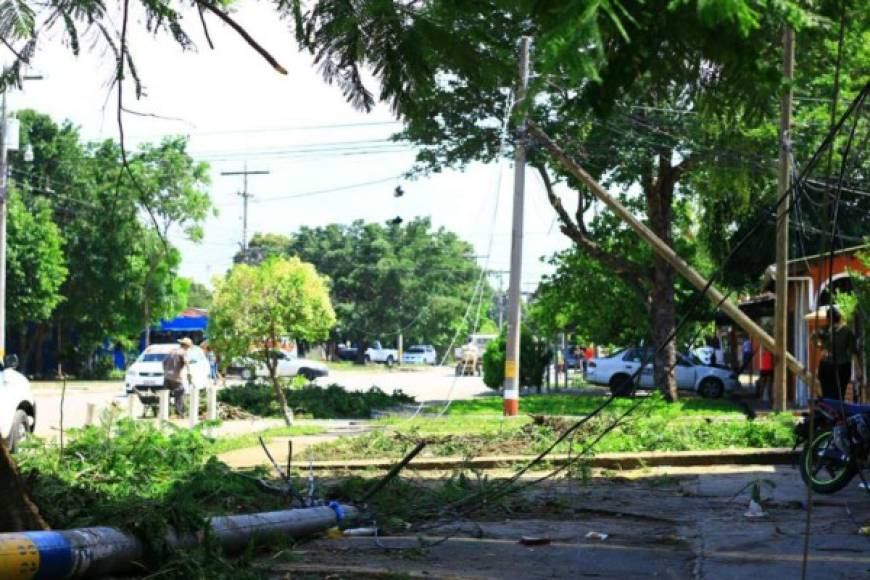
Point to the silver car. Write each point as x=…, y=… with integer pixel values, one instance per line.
x=627, y=367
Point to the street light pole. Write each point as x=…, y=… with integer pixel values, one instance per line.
x=512, y=355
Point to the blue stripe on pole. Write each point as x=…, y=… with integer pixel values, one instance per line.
x=55, y=554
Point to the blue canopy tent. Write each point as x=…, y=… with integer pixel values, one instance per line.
x=191, y=323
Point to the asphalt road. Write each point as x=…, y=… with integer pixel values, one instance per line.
x=426, y=384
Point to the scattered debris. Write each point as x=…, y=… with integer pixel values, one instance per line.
x=755, y=510
x=531, y=541
x=361, y=532
x=597, y=536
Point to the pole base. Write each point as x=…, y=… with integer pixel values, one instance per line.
x=511, y=407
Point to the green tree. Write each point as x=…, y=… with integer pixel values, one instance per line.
x=534, y=356
x=113, y=252
x=199, y=295
x=256, y=306
x=171, y=189
x=35, y=267
x=386, y=279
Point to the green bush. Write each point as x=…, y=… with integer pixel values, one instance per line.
x=137, y=477
x=333, y=402
x=534, y=358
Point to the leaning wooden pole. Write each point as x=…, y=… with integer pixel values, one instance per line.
x=668, y=254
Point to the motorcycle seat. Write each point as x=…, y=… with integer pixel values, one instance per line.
x=849, y=408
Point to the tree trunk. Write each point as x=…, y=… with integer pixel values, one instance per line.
x=272, y=366
x=663, y=313
x=19, y=513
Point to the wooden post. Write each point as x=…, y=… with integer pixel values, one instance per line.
x=163, y=409
x=780, y=320
x=193, y=412
x=211, y=401
x=90, y=414
x=666, y=252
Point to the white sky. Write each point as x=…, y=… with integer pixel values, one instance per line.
x=237, y=110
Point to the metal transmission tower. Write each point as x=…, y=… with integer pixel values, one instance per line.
x=245, y=195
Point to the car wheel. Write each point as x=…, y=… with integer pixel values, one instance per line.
x=19, y=430
x=711, y=388
x=620, y=385
x=308, y=374
x=368, y=359
x=390, y=361
x=248, y=374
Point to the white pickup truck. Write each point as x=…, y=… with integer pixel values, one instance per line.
x=378, y=354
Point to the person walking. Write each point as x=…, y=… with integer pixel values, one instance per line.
x=765, y=376
x=746, y=363
x=838, y=344
x=175, y=366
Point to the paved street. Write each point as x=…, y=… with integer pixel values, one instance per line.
x=665, y=527
x=426, y=384
x=423, y=383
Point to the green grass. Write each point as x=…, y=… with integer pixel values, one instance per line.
x=567, y=404
x=231, y=443
x=475, y=428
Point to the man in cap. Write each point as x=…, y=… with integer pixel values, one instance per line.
x=174, y=366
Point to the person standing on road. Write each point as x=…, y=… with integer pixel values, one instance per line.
x=838, y=342
x=175, y=366
x=747, y=357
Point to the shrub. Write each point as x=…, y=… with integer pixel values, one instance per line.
x=534, y=358
x=333, y=402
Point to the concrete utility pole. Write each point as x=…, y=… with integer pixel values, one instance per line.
x=512, y=357
x=780, y=331
x=245, y=197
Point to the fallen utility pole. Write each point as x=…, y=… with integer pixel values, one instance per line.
x=668, y=254
x=512, y=361
x=105, y=551
x=780, y=319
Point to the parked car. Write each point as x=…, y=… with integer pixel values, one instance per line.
x=288, y=365
x=378, y=354
x=618, y=370
x=420, y=354
x=17, y=405
x=145, y=376
x=710, y=356
x=348, y=353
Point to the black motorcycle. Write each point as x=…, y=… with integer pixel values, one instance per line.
x=840, y=446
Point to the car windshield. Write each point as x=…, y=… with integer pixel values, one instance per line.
x=693, y=358
x=415, y=350
x=152, y=357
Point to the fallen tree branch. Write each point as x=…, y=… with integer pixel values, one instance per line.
x=244, y=34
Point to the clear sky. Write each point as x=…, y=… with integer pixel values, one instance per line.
x=317, y=148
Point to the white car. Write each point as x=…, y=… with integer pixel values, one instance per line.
x=289, y=365
x=17, y=405
x=145, y=375
x=420, y=354
x=706, y=355
x=619, y=370
x=376, y=353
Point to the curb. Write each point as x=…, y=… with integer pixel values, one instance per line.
x=773, y=456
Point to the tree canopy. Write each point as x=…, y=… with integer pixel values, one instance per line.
x=83, y=241
x=255, y=307
x=386, y=279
